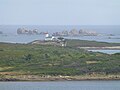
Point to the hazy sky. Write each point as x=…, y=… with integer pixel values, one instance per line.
x=60, y=12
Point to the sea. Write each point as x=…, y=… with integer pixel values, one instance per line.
x=61, y=85
x=10, y=33
x=106, y=51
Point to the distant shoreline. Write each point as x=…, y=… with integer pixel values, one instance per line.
x=101, y=48
x=61, y=78
x=89, y=47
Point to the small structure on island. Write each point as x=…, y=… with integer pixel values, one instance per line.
x=49, y=38
x=60, y=41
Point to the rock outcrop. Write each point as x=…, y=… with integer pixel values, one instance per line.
x=25, y=31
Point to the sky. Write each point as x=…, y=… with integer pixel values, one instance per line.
x=59, y=12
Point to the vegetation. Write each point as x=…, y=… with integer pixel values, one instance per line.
x=85, y=43
x=54, y=60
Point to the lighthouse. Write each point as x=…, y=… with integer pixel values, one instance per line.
x=46, y=35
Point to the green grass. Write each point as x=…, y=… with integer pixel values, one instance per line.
x=55, y=60
x=85, y=43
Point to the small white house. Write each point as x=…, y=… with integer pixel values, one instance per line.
x=49, y=38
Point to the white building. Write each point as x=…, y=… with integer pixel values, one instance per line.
x=49, y=38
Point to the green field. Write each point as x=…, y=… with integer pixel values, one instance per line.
x=55, y=60
x=86, y=43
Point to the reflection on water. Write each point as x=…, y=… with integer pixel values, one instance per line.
x=73, y=85
x=20, y=38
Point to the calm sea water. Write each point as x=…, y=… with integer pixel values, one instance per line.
x=10, y=34
x=106, y=51
x=29, y=38
x=71, y=85
x=20, y=38
x=104, y=29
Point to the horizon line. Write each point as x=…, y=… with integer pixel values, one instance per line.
x=55, y=25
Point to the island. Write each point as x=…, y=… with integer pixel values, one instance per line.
x=72, y=32
x=27, y=32
x=49, y=62
x=75, y=32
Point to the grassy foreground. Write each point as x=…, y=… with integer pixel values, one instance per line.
x=38, y=62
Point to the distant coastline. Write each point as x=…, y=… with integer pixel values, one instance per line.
x=60, y=78
x=72, y=32
x=101, y=48
x=106, y=33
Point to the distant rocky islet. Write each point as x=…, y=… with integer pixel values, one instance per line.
x=72, y=32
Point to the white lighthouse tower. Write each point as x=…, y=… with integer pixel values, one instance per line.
x=46, y=35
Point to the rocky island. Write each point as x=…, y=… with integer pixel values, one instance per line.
x=47, y=62
x=72, y=32
x=75, y=32
x=27, y=32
